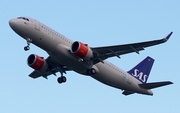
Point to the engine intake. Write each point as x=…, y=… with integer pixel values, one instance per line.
x=81, y=50
x=36, y=62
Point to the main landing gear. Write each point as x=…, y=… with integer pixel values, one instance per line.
x=61, y=79
x=29, y=41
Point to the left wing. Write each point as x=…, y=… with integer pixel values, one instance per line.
x=53, y=68
x=102, y=53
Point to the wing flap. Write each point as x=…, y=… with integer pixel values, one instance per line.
x=155, y=84
x=35, y=74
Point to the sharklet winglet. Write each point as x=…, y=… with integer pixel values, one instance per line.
x=168, y=36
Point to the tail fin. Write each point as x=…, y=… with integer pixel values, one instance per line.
x=142, y=70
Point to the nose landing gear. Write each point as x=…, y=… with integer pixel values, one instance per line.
x=26, y=48
x=29, y=41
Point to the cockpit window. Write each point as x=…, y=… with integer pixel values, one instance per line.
x=23, y=18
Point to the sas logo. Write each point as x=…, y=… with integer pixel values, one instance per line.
x=140, y=75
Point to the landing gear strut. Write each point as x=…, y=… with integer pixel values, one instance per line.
x=26, y=48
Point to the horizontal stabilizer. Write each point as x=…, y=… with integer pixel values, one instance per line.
x=155, y=84
x=126, y=92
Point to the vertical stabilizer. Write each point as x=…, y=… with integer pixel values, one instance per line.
x=142, y=70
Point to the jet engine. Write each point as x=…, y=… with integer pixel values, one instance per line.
x=81, y=50
x=38, y=63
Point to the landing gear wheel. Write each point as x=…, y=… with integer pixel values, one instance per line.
x=61, y=79
x=91, y=71
x=26, y=48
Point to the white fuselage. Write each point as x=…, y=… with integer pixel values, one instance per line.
x=59, y=46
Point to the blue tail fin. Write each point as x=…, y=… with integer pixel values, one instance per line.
x=142, y=70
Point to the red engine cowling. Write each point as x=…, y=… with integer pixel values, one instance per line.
x=38, y=63
x=81, y=50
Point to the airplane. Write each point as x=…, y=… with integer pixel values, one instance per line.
x=67, y=55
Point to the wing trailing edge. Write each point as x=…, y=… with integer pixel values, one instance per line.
x=105, y=52
x=155, y=84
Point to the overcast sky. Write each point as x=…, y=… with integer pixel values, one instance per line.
x=97, y=23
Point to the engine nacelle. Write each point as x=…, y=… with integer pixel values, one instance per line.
x=38, y=63
x=81, y=50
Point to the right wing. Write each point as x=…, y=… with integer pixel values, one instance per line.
x=102, y=53
x=54, y=67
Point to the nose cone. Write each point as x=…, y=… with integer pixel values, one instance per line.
x=17, y=26
x=12, y=23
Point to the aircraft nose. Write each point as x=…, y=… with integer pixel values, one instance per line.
x=12, y=23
